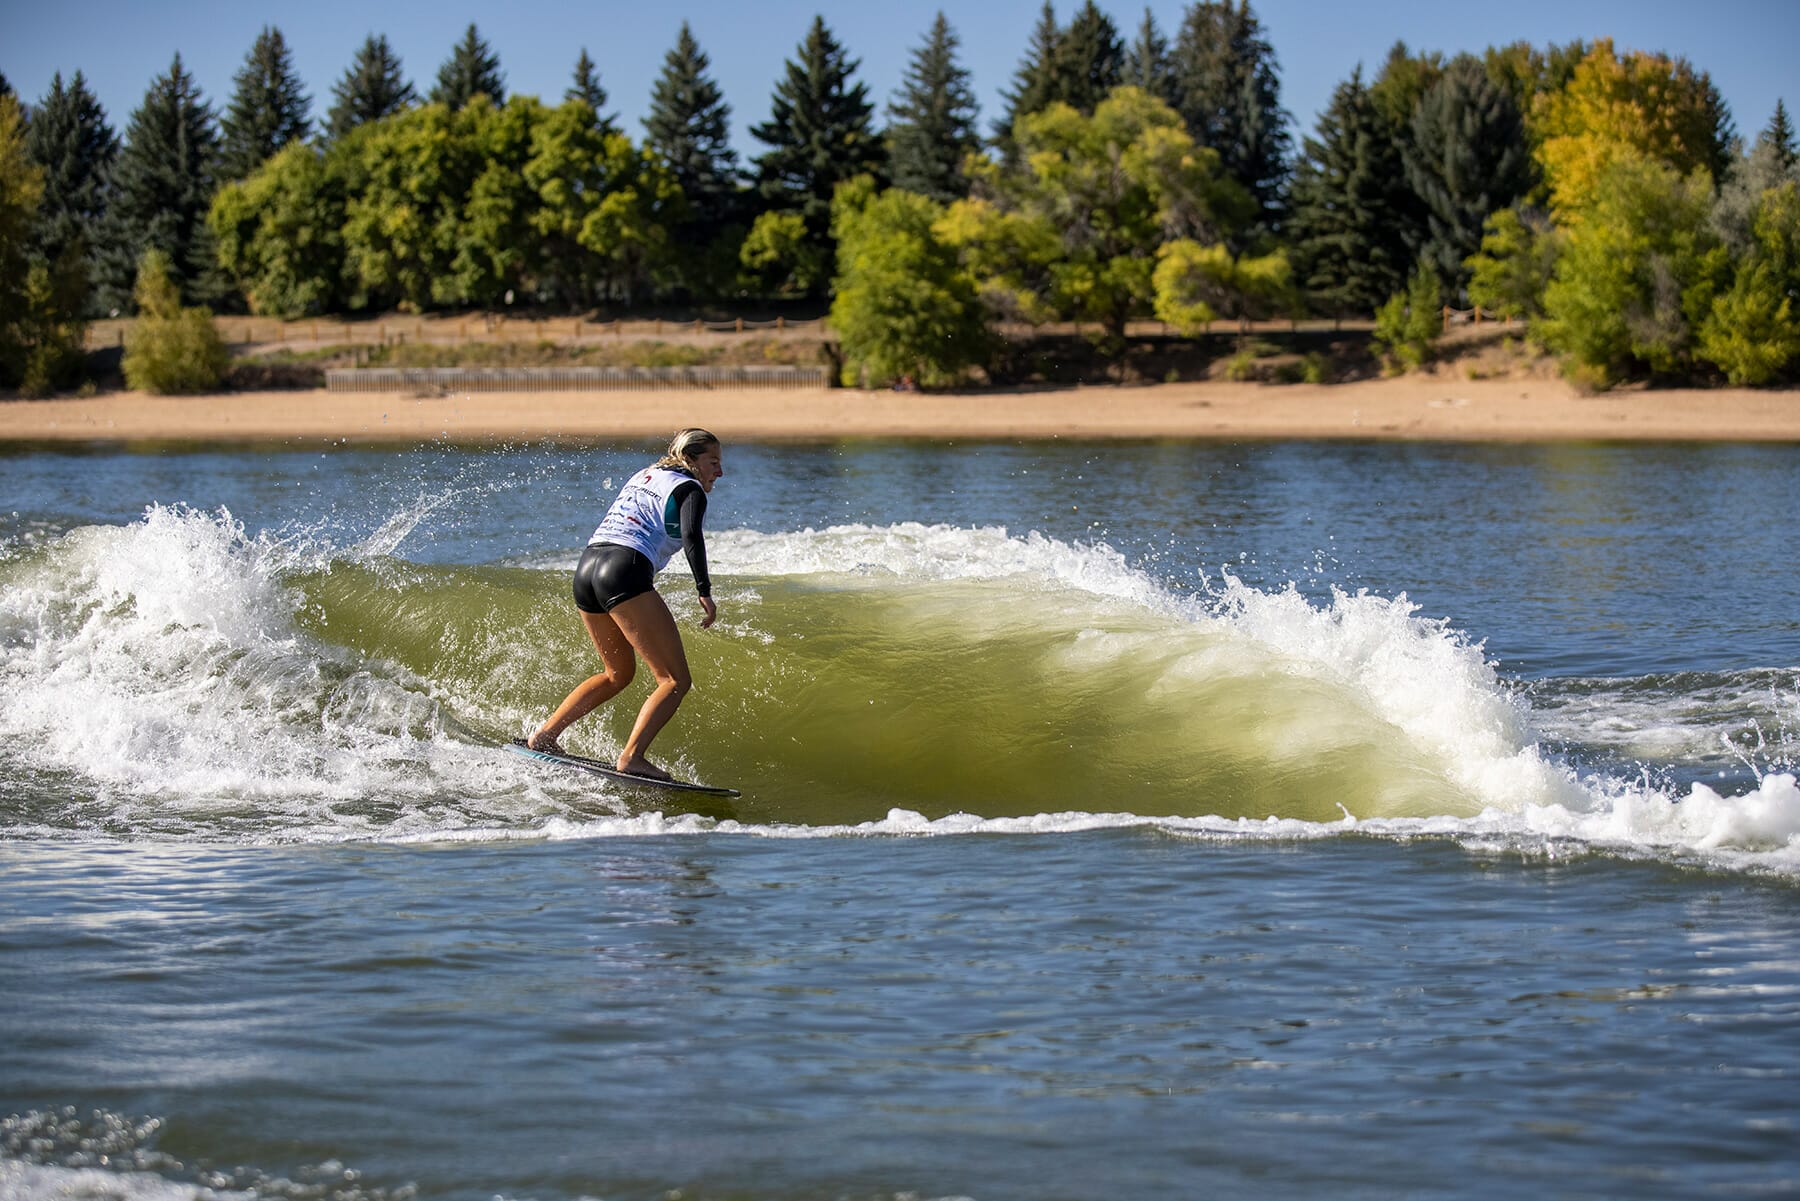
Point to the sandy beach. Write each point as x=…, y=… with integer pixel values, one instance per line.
x=1420, y=407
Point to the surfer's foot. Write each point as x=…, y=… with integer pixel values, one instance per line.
x=539, y=741
x=646, y=769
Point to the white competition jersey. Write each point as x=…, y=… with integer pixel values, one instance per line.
x=645, y=517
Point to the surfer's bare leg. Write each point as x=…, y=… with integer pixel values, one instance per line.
x=621, y=665
x=647, y=622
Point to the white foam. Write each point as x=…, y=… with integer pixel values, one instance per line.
x=162, y=660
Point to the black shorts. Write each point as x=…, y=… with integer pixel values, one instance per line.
x=608, y=575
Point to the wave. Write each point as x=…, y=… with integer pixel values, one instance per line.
x=181, y=677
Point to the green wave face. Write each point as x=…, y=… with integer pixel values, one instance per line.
x=831, y=698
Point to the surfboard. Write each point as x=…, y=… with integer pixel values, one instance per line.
x=597, y=768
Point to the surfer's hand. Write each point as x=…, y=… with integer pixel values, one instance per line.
x=712, y=611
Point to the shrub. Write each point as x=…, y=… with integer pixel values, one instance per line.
x=170, y=349
x=1409, y=323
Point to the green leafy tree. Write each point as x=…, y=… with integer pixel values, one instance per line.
x=1101, y=193
x=902, y=305
x=406, y=180
x=170, y=348
x=1753, y=330
x=269, y=107
x=1228, y=90
x=473, y=69
x=372, y=88
x=1769, y=163
x=1408, y=325
x=1350, y=206
x=1517, y=259
x=605, y=214
x=1636, y=274
x=1466, y=159
x=279, y=232
x=780, y=257
x=494, y=252
x=21, y=188
x=931, y=120
x=818, y=134
x=1196, y=285
x=163, y=185
x=586, y=88
x=71, y=140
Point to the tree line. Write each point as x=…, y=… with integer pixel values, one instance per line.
x=1602, y=196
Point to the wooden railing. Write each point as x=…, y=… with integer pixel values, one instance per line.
x=437, y=380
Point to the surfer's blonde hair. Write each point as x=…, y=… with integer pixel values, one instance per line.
x=685, y=447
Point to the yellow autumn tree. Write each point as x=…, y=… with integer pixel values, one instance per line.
x=1639, y=105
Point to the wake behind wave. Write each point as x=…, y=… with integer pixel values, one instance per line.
x=181, y=677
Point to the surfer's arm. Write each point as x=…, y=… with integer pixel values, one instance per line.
x=693, y=544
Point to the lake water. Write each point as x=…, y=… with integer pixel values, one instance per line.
x=1157, y=819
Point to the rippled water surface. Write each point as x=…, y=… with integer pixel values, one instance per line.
x=1309, y=820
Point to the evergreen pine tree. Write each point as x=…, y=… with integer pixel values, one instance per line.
x=1465, y=160
x=818, y=133
x=372, y=88
x=472, y=69
x=268, y=109
x=163, y=185
x=1349, y=185
x=586, y=86
x=6, y=88
x=70, y=139
x=931, y=119
x=1147, y=61
x=1779, y=137
x=690, y=127
x=1090, y=59
x=1229, y=95
x=1034, y=83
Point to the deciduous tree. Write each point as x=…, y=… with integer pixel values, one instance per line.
x=1101, y=192
x=170, y=348
x=902, y=306
x=1753, y=330
x=1638, y=105
x=1636, y=274
x=279, y=232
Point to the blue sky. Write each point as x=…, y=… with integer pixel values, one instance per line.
x=1748, y=46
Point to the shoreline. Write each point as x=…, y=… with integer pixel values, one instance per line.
x=1419, y=407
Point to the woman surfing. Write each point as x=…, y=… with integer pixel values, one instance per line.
x=660, y=508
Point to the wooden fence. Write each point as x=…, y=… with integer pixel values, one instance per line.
x=434, y=380
x=305, y=333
